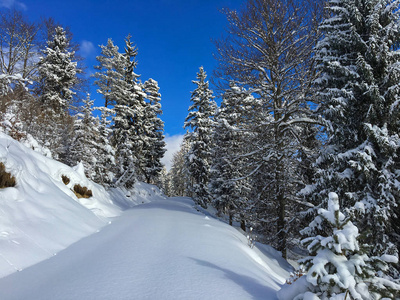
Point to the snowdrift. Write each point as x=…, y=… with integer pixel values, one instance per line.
x=42, y=215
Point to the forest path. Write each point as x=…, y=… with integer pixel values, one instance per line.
x=159, y=250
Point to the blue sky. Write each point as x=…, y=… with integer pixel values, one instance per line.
x=173, y=38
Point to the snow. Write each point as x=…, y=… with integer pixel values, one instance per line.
x=41, y=215
x=160, y=250
x=118, y=244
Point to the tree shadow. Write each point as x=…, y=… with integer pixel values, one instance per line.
x=252, y=286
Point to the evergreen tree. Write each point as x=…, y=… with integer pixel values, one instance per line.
x=200, y=120
x=229, y=185
x=359, y=91
x=57, y=75
x=105, y=167
x=109, y=72
x=128, y=127
x=338, y=266
x=178, y=173
x=154, y=149
x=85, y=134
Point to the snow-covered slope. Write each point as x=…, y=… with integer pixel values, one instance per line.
x=41, y=215
x=159, y=250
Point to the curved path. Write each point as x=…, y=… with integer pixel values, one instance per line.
x=160, y=250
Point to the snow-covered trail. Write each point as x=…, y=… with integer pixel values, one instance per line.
x=160, y=250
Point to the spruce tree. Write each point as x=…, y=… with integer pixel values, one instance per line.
x=85, y=134
x=337, y=266
x=109, y=72
x=229, y=184
x=358, y=89
x=154, y=148
x=105, y=167
x=200, y=120
x=128, y=137
x=57, y=75
x=178, y=173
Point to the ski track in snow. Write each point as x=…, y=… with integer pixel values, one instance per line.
x=160, y=250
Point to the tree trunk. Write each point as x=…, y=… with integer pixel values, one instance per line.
x=243, y=224
x=281, y=226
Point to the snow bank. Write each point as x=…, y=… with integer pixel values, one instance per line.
x=41, y=215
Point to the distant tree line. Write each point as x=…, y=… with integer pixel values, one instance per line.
x=309, y=113
x=45, y=103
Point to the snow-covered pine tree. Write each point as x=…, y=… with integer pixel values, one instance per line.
x=105, y=167
x=229, y=185
x=337, y=266
x=200, y=120
x=154, y=149
x=165, y=182
x=57, y=75
x=178, y=173
x=85, y=135
x=109, y=72
x=128, y=129
x=358, y=61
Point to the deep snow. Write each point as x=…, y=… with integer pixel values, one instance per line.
x=118, y=244
x=160, y=250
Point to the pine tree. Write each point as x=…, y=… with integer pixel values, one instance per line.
x=128, y=137
x=359, y=90
x=178, y=173
x=105, y=167
x=57, y=75
x=109, y=72
x=229, y=185
x=85, y=135
x=154, y=149
x=200, y=120
x=337, y=266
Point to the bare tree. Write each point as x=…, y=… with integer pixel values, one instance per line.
x=268, y=50
x=18, y=49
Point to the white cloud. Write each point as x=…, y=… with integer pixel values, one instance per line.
x=87, y=48
x=12, y=4
x=173, y=144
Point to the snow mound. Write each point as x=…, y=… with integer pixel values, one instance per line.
x=41, y=215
